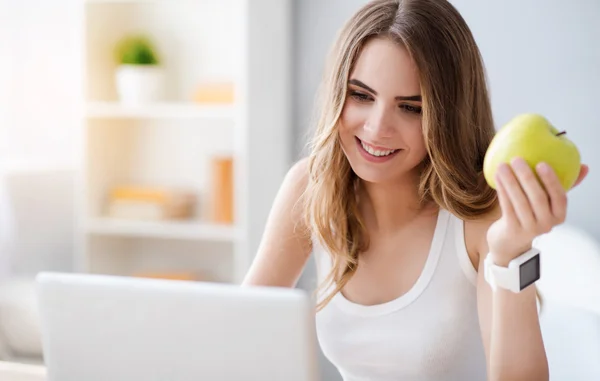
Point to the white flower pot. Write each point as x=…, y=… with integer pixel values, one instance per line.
x=140, y=84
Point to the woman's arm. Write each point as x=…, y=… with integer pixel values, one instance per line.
x=509, y=322
x=286, y=244
x=510, y=330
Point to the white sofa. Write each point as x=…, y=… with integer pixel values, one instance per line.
x=20, y=338
x=11, y=371
x=570, y=317
x=570, y=268
x=572, y=342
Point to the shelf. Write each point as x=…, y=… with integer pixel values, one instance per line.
x=115, y=110
x=162, y=229
x=121, y=1
x=32, y=166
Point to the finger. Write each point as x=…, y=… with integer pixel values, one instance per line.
x=558, y=196
x=508, y=211
x=517, y=198
x=583, y=172
x=535, y=193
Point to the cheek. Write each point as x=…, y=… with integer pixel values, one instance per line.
x=352, y=117
x=415, y=139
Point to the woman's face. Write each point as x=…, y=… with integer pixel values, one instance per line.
x=380, y=128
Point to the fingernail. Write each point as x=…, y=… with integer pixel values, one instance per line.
x=503, y=169
x=518, y=163
x=543, y=168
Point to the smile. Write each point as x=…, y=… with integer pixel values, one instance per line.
x=376, y=154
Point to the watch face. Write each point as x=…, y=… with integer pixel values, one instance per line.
x=530, y=271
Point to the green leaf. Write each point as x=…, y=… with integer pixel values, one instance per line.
x=136, y=50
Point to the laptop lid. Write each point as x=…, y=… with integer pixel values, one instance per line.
x=102, y=327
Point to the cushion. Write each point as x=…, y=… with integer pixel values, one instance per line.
x=572, y=340
x=19, y=319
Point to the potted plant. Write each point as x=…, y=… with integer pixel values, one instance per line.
x=139, y=76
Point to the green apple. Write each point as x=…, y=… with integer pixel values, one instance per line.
x=533, y=138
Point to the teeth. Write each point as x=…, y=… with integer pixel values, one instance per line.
x=375, y=152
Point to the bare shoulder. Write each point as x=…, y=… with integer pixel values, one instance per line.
x=476, y=234
x=297, y=176
x=292, y=190
x=285, y=245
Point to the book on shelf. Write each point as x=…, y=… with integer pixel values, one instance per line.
x=151, y=203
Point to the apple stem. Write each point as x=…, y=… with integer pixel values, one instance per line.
x=561, y=133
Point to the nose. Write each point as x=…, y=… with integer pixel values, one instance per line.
x=380, y=124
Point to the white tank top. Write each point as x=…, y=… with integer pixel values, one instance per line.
x=429, y=333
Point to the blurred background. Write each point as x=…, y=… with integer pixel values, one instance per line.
x=148, y=138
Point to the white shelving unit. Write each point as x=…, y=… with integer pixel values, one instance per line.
x=171, y=143
x=161, y=229
x=112, y=110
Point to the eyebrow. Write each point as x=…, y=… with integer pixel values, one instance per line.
x=356, y=82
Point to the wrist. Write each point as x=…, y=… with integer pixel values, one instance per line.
x=514, y=274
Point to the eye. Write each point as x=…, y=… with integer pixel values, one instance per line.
x=412, y=109
x=360, y=97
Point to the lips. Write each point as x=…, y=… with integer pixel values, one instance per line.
x=379, y=152
x=376, y=154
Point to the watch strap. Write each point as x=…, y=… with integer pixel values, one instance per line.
x=498, y=276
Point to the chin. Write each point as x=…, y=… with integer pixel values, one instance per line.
x=367, y=173
x=397, y=170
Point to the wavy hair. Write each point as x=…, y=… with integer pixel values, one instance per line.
x=457, y=125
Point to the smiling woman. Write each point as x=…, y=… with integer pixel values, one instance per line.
x=393, y=204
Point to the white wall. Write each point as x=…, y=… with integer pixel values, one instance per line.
x=541, y=56
x=34, y=125
x=544, y=56
x=37, y=133
x=315, y=25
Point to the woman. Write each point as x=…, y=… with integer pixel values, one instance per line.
x=393, y=203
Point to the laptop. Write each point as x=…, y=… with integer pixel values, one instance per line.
x=113, y=328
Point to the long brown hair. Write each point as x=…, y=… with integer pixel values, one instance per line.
x=457, y=124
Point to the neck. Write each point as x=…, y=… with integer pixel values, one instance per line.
x=390, y=206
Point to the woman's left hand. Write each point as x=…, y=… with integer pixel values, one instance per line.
x=528, y=208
